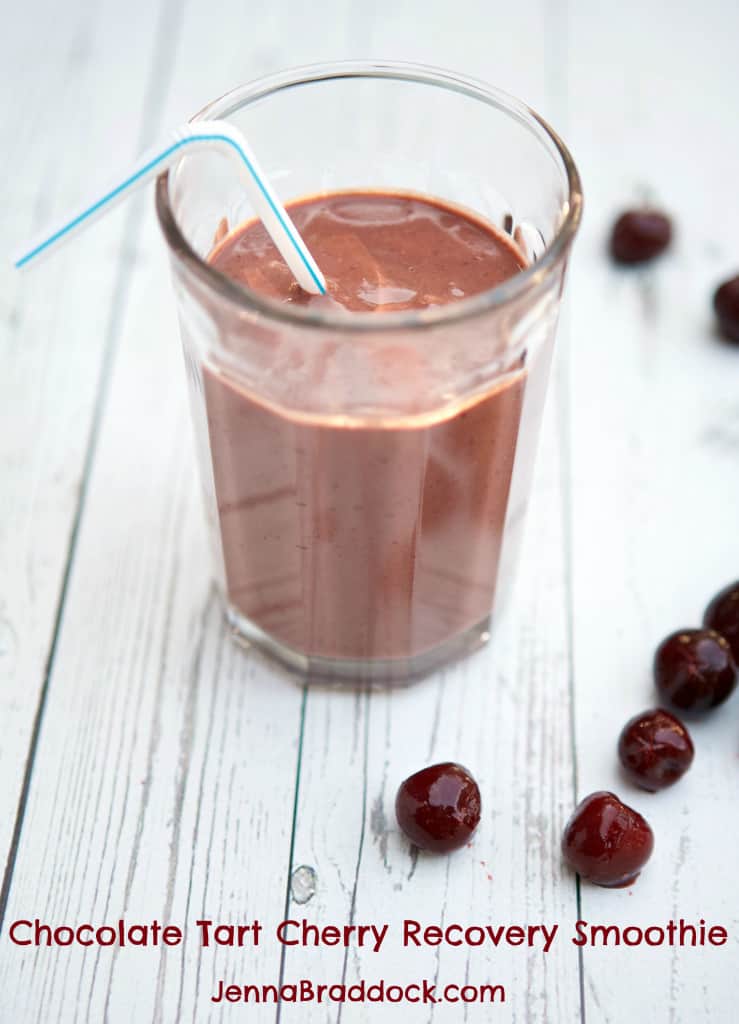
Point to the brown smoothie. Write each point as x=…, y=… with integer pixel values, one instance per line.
x=368, y=538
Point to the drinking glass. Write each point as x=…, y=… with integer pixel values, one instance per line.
x=366, y=475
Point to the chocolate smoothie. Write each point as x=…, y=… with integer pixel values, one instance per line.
x=371, y=537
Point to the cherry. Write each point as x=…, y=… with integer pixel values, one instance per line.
x=655, y=749
x=694, y=669
x=438, y=808
x=640, y=235
x=726, y=306
x=722, y=615
x=607, y=842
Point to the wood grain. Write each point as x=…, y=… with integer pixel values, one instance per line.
x=176, y=776
x=60, y=326
x=504, y=713
x=166, y=763
x=653, y=411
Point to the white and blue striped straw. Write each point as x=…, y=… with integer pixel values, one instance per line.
x=201, y=135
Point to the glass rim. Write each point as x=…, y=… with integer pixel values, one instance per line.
x=500, y=295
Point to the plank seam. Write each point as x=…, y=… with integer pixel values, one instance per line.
x=360, y=846
x=291, y=854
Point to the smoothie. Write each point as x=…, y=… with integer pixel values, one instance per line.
x=372, y=537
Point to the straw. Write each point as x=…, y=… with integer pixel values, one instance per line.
x=202, y=135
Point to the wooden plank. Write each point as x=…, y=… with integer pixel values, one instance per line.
x=655, y=486
x=148, y=796
x=505, y=713
x=59, y=322
x=154, y=794
x=163, y=785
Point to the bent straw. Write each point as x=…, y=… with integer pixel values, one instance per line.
x=202, y=135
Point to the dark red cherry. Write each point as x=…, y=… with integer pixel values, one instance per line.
x=607, y=842
x=722, y=615
x=438, y=808
x=726, y=307
x=640, y=235
x=655, y=749
x=694, y=669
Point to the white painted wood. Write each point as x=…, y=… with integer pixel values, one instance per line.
x=504, y=713
x=654, y=412
x=59, y=324
x=172, y=754
x=165, y=773
x=155, y=791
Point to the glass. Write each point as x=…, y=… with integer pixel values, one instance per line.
x=365, y=520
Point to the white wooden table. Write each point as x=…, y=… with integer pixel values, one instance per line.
x=151, y=769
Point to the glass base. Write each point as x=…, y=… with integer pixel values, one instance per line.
x=379, y=672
